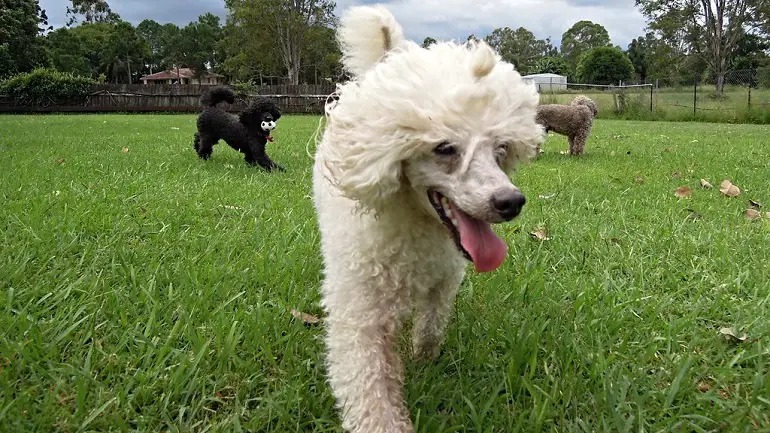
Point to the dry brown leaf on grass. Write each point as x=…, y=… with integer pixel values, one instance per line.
x=727, y=188
x=752, y=214
x=541, y=234
x=676, y=175
x=704, y=183
x=304, y=317
x=639, y=180
x=704, y=386
x=60, y=161
x=125, y=150
x=731, y=335
x=755, y=204
x=683, y=192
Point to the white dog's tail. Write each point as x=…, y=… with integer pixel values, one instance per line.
x=366, y=34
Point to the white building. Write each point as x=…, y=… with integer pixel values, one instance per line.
x=547, y=82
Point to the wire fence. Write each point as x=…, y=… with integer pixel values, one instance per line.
x=740, y=96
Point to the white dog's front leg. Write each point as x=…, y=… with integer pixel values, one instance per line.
x=365, y=374
x=432, y=311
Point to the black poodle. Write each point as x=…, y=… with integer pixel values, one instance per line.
x=247, y=133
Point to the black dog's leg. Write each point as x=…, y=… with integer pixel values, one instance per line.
x=254, y=157
x=204, y=146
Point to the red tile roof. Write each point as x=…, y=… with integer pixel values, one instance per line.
x=172, y=73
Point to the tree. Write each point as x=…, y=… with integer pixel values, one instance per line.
x=605, y=65
x=520, y=47
x=286, y=22
x=127, y=51
x=21, y=46
x=639, y=51
x=197, y=44
x=751, y=53
x=91, y=11
x=246, y=55
x=428, y=42
x=552, y=65
x=154, y=35
x=581, y=38
x=322, y=60
x=68, y=52
x=713, y=27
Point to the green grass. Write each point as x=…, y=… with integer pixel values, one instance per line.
x=150, y=291
x=675, y=104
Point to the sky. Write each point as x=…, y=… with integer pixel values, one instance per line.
x=440, y=19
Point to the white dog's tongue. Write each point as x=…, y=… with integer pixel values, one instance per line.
x=487, y=250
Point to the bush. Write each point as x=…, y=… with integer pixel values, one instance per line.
x=44, y=87
x=605, y=65
x=552, y=65
x=244, y=88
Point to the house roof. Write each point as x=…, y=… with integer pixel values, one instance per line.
x=546, y=75
x=172, y=73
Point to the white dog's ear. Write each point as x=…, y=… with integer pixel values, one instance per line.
x=367, y=174
x=366, y=34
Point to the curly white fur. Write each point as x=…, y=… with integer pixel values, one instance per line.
x=452, y=121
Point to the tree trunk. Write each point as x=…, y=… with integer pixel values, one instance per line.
x=293, y=72
x=720, y=83
x=128, y=66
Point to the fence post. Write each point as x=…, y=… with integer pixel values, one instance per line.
x=652, y=89
x=694, y=96
x=749, y=97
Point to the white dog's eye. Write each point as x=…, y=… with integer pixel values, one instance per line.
x=445, y=148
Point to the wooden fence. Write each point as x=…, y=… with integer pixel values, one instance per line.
x=138, y=98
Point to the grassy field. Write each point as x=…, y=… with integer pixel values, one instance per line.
x=142, y=289
x=675, y=104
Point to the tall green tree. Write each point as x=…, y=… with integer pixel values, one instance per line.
x=153, y=34
x=713, y=27
x=246, y=55
x=68, y=52
x=428, y=41
x=520, y=47
x=581, y=38
x=322, y=59
x=126, y=52
x=22, y=23
x=285, y=24
x=605, y=65
x=197, y=45
x=90, y=11
x=639, y=52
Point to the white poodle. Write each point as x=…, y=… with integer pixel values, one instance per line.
x=409, y=175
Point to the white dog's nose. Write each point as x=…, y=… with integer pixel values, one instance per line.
x=508, y=203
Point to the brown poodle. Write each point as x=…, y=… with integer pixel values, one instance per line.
x=573, y=120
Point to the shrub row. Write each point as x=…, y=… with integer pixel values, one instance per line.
x=45, y=87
